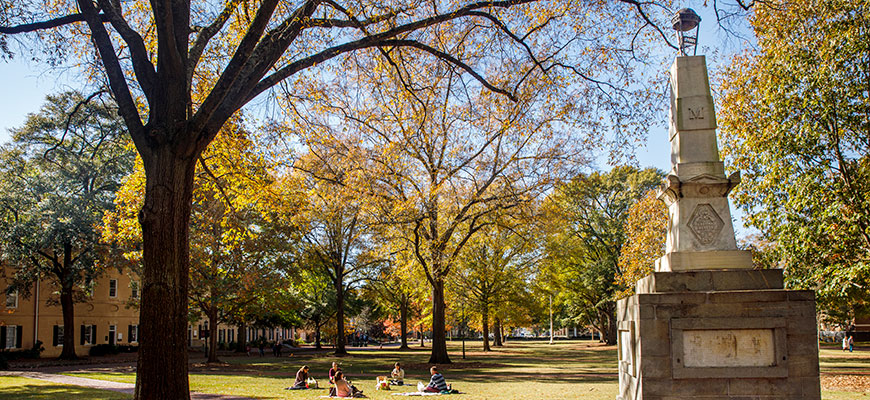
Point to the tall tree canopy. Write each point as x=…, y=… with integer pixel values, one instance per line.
x=180, y=69
x=795, y=118
x=587, y=219
x=57, y=178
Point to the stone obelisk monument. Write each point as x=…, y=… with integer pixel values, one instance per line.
x=706, y=324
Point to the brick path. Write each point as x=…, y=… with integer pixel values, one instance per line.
x=105, y=385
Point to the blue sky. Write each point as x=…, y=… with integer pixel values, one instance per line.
x=26, y=85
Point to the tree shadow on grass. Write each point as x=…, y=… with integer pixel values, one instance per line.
x=57, y=392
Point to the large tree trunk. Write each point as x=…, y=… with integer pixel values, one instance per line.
x=439, y=334
x=484, y=321
x=498, y=332
x=67, y=307
x=242, y=344
x=165, y=219
x=340, y=338
x=403, y=322
x=212, y=335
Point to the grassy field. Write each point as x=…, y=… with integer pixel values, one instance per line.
x=13, y=387
x=519, y=371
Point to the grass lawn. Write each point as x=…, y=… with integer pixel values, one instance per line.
x=14, y=387
x=520, y=370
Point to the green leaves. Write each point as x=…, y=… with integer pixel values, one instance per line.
x=57, y=178
x=794, y=117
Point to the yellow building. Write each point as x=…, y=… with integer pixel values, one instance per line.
x=105, y=318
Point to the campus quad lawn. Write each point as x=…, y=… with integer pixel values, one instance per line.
x=518, y=371
x=15, y=387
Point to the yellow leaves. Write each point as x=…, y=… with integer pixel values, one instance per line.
x=645, y=232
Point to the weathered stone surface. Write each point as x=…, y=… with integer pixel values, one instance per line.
x=679, y=261
x=708, y=280
x=706, y=325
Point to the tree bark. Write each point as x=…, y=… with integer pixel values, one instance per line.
x=484, y=322
x=403, y=323
x=67, y=307
x=165, y=219
x=439, y=335
x=498, y=332
x=212, y=335
x=340, y=339
x=610, y=323
x=317, y=335
x=242, y=344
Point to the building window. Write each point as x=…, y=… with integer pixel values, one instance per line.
x=58, y=335
x=232, y=335
x=134, y=289
x=12, y=299
x=113, y=288
x=133, y=333
x=10, y=336
x=89, y=335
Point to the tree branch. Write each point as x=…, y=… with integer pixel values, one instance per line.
x=52, y=23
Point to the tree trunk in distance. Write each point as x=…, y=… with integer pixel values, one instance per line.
x=610, y=327
x=497, y=332
x=484, y=322
x=165, y=219
x=439, y=335
x=242, y=344
x=317, y=335
x=340, y=339
x=68, y=310
x=212, y=335
x=403, y=323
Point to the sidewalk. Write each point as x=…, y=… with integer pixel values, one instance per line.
x=104, y=385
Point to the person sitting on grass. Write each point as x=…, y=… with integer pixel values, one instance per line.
x=398, y=375
x=343, y=388
x=437, y=382
x=301, y=379
x=332, y=371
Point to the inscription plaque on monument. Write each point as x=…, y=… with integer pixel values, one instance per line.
x=729, y=348
x=705, y=224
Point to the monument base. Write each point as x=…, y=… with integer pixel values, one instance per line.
x=718, y=335
x=704, y=260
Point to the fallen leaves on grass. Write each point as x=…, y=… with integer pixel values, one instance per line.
x=852, y=383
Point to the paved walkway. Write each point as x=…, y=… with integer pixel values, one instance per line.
x=105, y=385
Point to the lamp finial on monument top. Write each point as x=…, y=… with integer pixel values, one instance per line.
x=684, y=21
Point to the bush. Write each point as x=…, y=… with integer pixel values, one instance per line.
x=33, y=352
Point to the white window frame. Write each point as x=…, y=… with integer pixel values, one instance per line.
x=135, y=337
x=134, y=290
x=11, y=334
x=90, y=337
x=14, y=297
x=113, y=287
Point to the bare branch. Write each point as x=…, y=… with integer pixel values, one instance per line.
x=52, y=23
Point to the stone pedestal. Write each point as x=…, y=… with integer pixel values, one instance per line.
x=705, y=324
x=729, y=334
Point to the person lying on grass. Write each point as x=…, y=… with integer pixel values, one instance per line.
x=301, y=379
x=437, y=382
x=398, y=375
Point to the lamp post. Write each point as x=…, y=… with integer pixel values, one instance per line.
x=684, y=21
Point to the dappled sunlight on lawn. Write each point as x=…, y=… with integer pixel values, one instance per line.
x=13, y=387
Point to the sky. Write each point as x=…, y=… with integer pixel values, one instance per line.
x=26, y=85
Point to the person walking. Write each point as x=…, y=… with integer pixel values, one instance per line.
x=851, y=343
